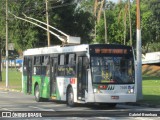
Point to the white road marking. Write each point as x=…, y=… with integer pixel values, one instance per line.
x=5, y=109
x=4, y=92
x=41, y=108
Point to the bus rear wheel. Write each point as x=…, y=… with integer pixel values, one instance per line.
x=70, y=97
x=37, y=94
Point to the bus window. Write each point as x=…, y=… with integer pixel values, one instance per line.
x=61, y=60
x=37, y=67
x=61, y=66
x=112, y=70
x=25, y=66
x=45, y=65
x=71, y=66
x=45, y=60
x=37, y=70
x=37, y=60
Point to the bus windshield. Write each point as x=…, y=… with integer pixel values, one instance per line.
x=115, y=70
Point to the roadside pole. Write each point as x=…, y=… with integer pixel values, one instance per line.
x=47, y=19
x=139, y=55
x=7, y=44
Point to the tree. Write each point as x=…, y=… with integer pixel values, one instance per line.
x=150, y=25
x=69, y=19
x=78, y=20
x=23, y=34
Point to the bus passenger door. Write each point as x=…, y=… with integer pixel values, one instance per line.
x=29, y=75
x=82, y=84
x=54, y=63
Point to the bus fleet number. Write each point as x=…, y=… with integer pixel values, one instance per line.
x=123, y=87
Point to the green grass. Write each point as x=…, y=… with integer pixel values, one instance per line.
x=14, y=79
x=151, y=90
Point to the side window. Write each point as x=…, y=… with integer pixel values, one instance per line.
x=45, y=65
x=67, y=65
x=71, y=66
x=61, y=59
x=72, y=59
x=25, y=66
x=37, y=65
x=37, y=60
x=61, y=65
x=45, y=60
x=25, y=61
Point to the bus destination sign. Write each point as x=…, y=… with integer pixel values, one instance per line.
x=110, y=51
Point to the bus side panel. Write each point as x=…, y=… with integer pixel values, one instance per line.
x=45, y=93
x=60, y=89
x=24, y=84
x=62, y=84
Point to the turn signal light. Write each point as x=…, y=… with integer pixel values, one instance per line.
x=102, y=87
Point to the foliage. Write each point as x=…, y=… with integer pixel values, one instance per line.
x=116, y=28
x=77, y=19
x=115, y=16
x=66, y=17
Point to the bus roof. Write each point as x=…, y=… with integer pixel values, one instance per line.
x=56, y=49
x=69, y=49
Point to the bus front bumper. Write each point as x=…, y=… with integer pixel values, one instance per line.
x=112, y=98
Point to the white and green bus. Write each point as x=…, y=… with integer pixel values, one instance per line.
x=96, y=73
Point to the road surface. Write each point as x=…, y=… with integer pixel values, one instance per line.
x=17, y=105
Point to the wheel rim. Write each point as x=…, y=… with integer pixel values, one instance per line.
x=70, y=97
x=37, y=93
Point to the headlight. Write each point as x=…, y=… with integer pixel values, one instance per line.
x=95, y=90
x=131, y=91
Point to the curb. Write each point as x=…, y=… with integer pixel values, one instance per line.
x=13, y=90
x=144, y=105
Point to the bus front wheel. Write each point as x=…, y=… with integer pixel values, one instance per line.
x=70, y=97
x=37, y=94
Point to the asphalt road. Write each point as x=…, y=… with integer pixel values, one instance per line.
x=18, y=105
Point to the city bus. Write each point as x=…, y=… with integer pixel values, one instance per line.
x=86, y=73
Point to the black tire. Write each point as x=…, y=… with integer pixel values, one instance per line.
x=109, y=105
x=37, y=94
x=70, y=97
x=112, y=105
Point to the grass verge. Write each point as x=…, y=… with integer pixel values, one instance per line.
x=151, y=90
x=14, y=79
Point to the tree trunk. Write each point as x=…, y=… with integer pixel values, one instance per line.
x=130, y=22
x=105, y=27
